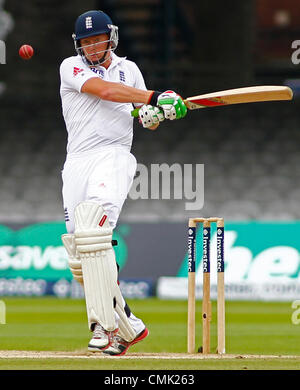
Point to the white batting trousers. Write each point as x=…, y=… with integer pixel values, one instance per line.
x=103, y=176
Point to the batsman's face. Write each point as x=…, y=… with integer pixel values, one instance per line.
x=95, y=47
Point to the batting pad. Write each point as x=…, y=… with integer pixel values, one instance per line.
x=126, y=330
x=73, y=260
x=93, y=236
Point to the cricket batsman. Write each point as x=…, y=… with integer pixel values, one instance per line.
x=98, y=91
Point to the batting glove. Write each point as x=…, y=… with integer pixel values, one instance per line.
x=150, y=116
x=172, y=105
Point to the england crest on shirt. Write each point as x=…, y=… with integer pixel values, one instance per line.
x=122, y=76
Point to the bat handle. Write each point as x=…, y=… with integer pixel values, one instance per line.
x=135, y=112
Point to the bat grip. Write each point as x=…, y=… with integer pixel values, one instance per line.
x=135, y=112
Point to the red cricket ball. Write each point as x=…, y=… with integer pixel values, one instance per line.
x=26, y=52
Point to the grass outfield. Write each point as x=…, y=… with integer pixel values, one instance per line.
x=59, y=326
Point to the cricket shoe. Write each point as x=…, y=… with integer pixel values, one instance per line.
x=101, y=339
x=120, y=346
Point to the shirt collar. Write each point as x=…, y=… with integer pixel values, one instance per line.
x=116, y=60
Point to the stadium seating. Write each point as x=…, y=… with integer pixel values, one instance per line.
x=250, y=152
x=250, y=156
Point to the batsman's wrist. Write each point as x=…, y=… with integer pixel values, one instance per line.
x=153, y=98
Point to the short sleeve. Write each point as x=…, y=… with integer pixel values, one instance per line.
x=74, y=75
x=139, y=81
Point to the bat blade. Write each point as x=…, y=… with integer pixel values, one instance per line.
x=262, y=93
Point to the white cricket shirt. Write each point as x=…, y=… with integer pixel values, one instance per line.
x=92, y=122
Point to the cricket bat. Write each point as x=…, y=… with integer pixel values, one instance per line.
x=263, y=93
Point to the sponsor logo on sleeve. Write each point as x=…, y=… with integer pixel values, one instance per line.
x=76, y=71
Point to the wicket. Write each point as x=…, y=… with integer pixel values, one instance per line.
x=206, y=302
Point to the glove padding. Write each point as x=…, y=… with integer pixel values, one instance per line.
x=172, y=105
x=150, y=115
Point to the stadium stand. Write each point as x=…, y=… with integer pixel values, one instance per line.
x=250, y=152
x=252, y=167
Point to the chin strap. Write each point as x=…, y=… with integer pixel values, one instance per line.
x=102, y=59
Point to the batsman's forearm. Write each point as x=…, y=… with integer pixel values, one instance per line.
x=125, y=94
x=116, y=92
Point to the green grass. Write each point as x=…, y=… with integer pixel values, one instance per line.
x=74, y=364
x=51, y=324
